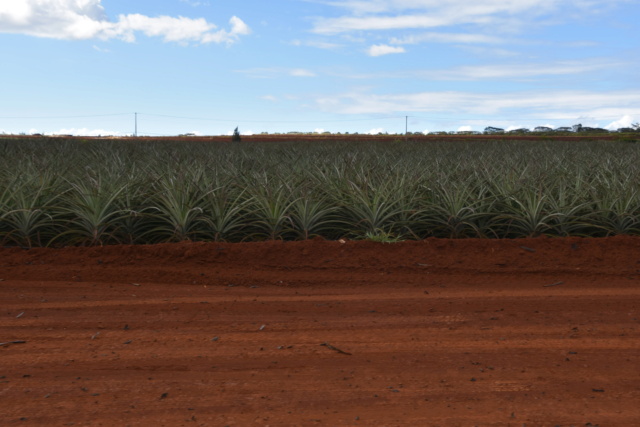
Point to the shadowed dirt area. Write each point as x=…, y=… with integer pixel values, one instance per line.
x=535, y=332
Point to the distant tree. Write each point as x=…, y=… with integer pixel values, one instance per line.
x=236, y=136
x=636, y=126
x=593, y=130
x=491, y=130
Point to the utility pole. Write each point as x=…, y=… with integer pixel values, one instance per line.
x=406, y=128
x=136, y=122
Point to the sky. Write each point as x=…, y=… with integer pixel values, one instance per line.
x=86, y=67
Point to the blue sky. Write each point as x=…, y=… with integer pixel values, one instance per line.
x=207, y=66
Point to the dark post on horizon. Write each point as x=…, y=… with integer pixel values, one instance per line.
x=236, y=136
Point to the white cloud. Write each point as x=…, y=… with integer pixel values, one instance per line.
x=383, y=49
x=269, y=98
x=434, y=37
x=534, y=104
x=388, y=15
x=270, y=73
x=196, y=3
x=100, y=49
x=465, y=129
x=319, y=130
x=414, y=14
x=465, y=23
x=624, y=122
x=502, y=71
x=300, y=72
x=375, y=131
x=348, y=23
x=87, y=19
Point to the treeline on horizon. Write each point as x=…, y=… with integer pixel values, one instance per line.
x=575, y=130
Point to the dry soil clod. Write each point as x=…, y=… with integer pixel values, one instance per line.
x=12, y=342
x=554, y=284
x=329, y=346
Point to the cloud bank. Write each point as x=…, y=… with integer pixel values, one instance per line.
x=376, y=15
x=86, y=19
x=559, y=105
x=625, y=121
x=461, y=22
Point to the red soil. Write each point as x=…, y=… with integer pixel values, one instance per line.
x=531, y=332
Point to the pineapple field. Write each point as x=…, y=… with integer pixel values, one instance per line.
x=70, y=192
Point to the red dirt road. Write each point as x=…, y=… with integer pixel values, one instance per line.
x=535, y=332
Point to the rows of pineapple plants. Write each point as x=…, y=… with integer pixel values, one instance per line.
x=109, y=192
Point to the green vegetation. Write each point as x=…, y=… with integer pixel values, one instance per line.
x=61, y=192
x=382, y=237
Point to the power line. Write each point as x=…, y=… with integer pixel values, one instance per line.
x=270, y=121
